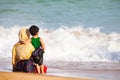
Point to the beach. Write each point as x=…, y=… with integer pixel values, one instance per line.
x=32, y=76
x=82, y=37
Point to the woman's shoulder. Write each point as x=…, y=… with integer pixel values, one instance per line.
x=18, y=43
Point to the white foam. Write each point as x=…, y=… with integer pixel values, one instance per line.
x=69, y=44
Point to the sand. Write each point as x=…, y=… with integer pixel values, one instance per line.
x=32, y=76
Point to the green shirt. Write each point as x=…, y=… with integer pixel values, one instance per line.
x=36, y=42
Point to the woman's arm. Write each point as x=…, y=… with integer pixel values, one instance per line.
x=13, y=55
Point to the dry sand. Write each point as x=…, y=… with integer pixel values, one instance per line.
x=32, y=76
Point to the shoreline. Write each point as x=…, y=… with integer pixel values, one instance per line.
x=32, y=76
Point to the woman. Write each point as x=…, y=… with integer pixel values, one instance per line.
x=21, y=53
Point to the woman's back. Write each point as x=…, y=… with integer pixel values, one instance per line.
x=24, y=51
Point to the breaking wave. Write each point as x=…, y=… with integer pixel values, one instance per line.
x=69, y=44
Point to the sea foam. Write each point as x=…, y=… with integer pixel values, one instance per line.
x=69, y=44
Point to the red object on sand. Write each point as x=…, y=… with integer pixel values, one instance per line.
x=45, y=69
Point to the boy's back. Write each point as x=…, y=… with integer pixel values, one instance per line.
x=36, y=42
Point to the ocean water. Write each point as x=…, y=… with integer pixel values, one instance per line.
x=81, y=36
x=55, y=13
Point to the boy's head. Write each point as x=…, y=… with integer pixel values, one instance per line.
x=33, y=30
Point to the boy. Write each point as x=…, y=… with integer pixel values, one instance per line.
x=37, y=42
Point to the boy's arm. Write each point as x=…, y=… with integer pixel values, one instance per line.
x=42, y=43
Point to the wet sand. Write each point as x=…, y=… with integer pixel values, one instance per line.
x=32, y=76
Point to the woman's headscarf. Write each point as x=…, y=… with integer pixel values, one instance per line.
x=24, y=35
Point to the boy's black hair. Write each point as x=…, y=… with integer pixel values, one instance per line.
x=33, y=30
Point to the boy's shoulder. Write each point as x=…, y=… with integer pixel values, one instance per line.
x=36, y=38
